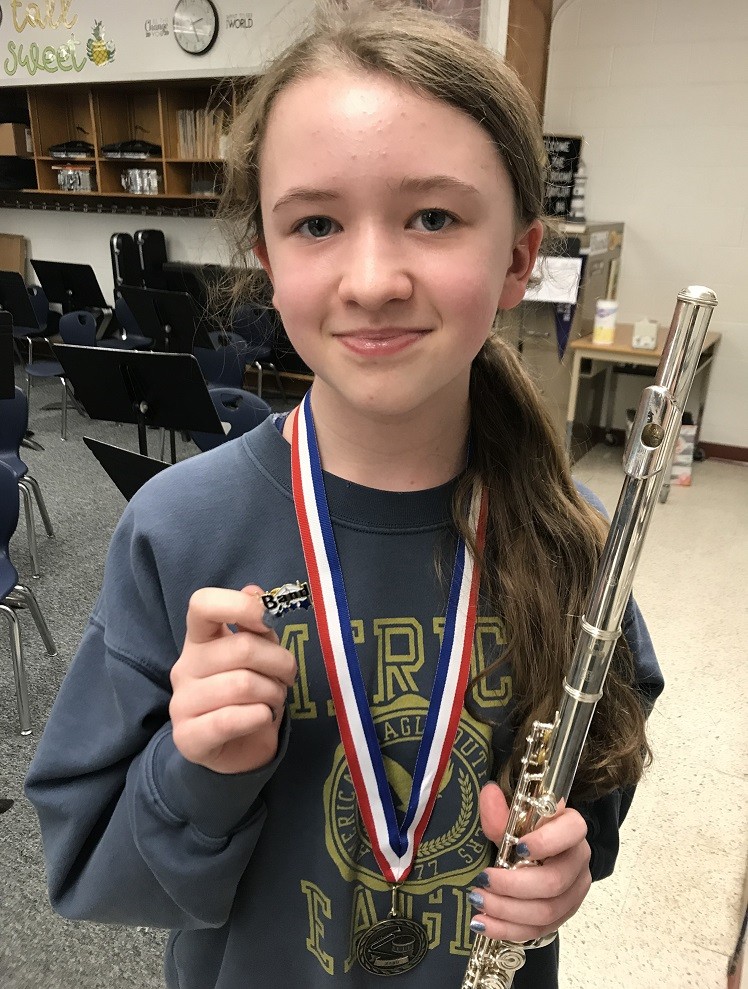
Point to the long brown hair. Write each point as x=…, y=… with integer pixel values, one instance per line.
x=544, y=540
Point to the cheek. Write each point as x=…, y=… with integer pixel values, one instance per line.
x=472, y=295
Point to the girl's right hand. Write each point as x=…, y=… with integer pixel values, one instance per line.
x=229, y=689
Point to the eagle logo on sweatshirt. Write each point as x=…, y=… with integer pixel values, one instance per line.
x=453, y=848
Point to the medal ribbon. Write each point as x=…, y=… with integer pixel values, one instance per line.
x=394, y=845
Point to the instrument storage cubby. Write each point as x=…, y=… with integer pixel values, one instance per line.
x=182, y=124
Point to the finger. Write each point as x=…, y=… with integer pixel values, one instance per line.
x=494, y=812
x=543, y=915
x=227, y=690
x=211, y=731
x=211, y=609
x=541, y=882
x=244, y=650
x=558, y=833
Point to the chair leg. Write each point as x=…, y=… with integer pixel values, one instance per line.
x=19, y=669
x=28, y=510
x=282, y=390
x=25, y=596
x=35, y=487
x=64, y=427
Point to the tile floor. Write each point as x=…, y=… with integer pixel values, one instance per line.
x=669, y=916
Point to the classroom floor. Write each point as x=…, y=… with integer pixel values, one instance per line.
x=668, y=917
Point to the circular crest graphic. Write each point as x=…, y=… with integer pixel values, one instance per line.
x=453, y=849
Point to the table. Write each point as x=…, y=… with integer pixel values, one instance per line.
x=620, y=352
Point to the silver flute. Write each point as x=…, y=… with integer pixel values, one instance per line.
x=553, y=750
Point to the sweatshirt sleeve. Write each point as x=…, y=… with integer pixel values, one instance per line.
x=605, y=816
x=133, y=833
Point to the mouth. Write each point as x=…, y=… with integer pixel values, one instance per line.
x=381, y=341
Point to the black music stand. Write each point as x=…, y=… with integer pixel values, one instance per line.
x=171, y=319
x=142, y=387
x=14, y=298
x=7, y=376
x=128, y=470
x=74, y=286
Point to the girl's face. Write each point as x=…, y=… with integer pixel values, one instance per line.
x=389, y=238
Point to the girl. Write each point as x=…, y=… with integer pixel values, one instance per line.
x=308, y=797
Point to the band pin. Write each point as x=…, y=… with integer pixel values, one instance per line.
x=287, y=597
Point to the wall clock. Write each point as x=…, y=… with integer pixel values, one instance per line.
x=195, y=25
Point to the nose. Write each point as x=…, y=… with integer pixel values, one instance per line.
x=374, y=270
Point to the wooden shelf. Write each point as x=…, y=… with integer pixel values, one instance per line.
x=93, y=194
x=101, y=115
x=130, y=159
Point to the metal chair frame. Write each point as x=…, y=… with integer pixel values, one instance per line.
x=28, y=486
x=18, y=597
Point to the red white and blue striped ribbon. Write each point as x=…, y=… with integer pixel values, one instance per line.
x=394, y=845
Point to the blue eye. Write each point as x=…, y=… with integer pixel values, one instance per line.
x=435, y=219
x=316, y=227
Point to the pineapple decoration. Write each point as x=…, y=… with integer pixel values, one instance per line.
x=100, y=51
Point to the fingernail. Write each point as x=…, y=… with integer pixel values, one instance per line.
x=476, y=899
x=477, y=927
x=523, y=851
x=482, y=880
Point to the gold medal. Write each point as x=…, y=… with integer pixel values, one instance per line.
x=392, y=946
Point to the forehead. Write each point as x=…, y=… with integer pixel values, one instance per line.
x=351, y=122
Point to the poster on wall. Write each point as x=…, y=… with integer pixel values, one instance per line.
x=64, y=41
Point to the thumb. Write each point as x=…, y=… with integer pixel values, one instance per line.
x=494, y=812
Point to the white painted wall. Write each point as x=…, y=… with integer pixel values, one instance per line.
x=36, y=40
x=659, y=90
x=84, y=238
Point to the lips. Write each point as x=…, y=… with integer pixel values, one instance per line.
x=382, y=341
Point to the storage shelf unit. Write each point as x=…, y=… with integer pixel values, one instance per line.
x=107, y=114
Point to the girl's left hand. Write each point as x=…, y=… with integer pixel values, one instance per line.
x=527, y=903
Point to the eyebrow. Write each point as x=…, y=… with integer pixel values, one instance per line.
x=446, y=182
x=426, y=183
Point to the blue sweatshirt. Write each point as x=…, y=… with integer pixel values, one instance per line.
x=267, y=878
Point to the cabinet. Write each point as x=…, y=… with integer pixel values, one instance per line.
x=183, y=122
x=531, y=327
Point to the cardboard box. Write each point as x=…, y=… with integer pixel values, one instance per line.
x=13, y=253
x=15, y=141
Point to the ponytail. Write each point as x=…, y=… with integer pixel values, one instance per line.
x=542, y=546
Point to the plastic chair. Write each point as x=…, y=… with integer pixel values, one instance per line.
x=14, y=420
x=34, y=331
x=78, y=328
x=47, y=368
x=222, y=367
x=14, y=596
x=241, y=409
x=255, y=328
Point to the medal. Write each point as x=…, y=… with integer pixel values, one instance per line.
x=392, y=946
x=395, y=944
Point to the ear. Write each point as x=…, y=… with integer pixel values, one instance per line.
x=260, y=251
x=523, y=261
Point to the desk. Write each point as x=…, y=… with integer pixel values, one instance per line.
x=621, y=352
